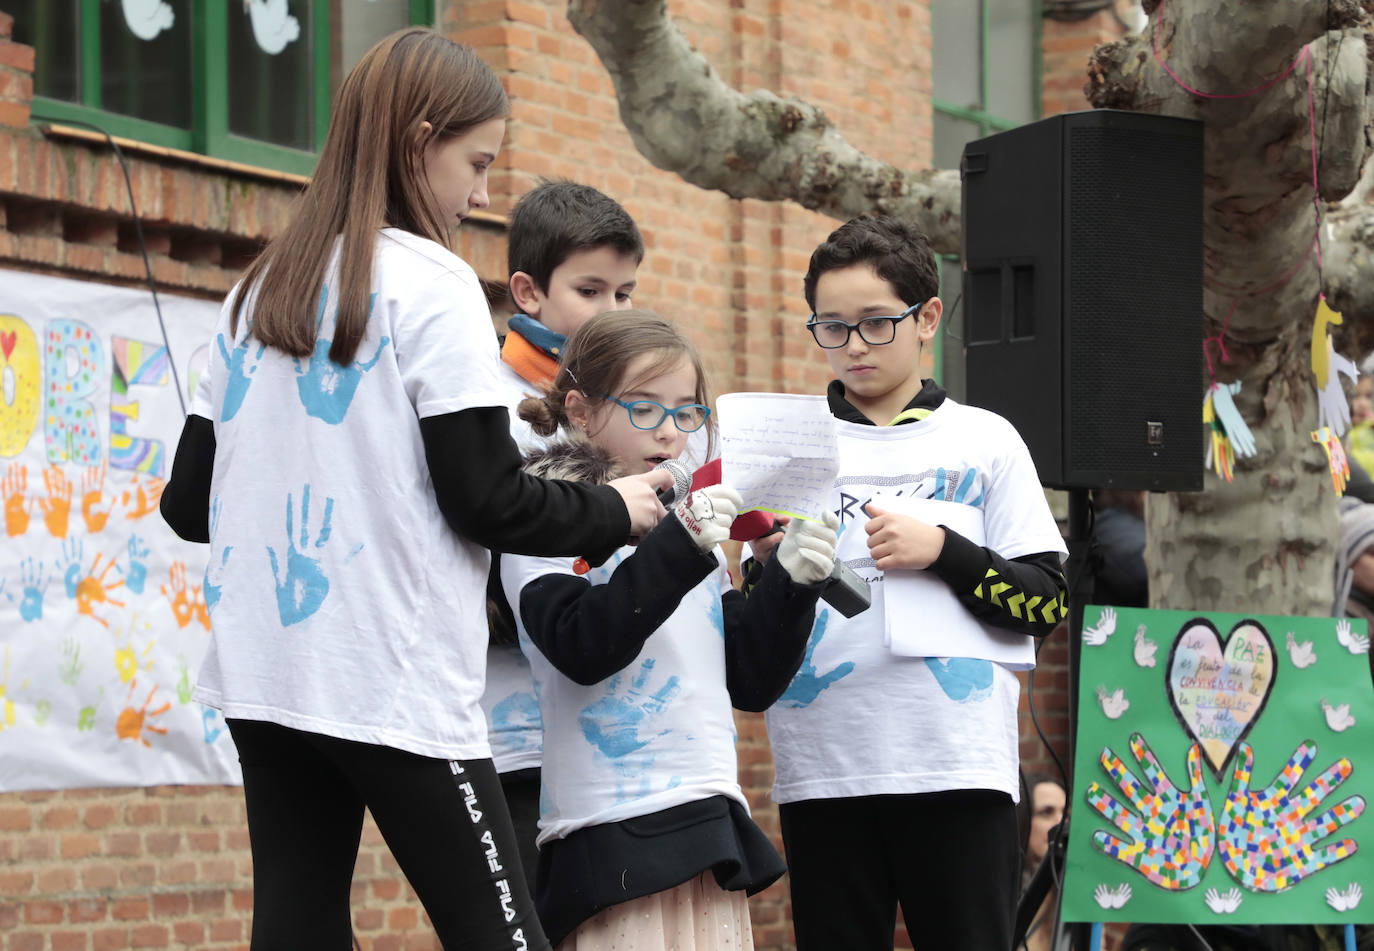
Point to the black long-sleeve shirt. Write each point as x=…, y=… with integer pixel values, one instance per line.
x=482, y=491
x=589, y=632
x=1026, y=594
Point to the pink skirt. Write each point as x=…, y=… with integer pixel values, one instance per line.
x=697, y=915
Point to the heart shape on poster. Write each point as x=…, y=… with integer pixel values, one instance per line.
x=7, y=342
x=1218, y=688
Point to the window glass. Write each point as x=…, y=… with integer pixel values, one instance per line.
x=1012, y=92
x=356, y=25
x=950, y=134
x=145, y=60
x=952, y=327
x=53, y=29
x=956, y=60
x=271, y=71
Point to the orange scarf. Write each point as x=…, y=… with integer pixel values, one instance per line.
x=533, y=364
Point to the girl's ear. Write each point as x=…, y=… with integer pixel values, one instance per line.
x=578, y=409
x=423, y=133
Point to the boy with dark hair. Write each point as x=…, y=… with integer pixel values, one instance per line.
x=572, y=253
x=896, y=774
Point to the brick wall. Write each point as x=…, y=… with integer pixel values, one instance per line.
x=169, y=866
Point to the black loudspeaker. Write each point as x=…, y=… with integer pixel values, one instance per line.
x=1082, y=292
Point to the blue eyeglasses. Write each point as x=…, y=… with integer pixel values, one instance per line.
x=650, y=414
x=874, y=331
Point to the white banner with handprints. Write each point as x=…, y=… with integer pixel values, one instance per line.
x=103, y=621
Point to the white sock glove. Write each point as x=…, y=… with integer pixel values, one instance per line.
x=707, y=514
x=807, y=549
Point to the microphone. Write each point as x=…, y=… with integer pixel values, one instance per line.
x=682, y=483
x=843, y=590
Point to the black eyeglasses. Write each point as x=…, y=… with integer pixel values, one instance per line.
x=874, y=331
x=650, y=414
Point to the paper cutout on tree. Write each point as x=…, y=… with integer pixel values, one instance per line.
x=1321, y=368
x=1218, y=689
x=1229, y=436
x=1336, y=461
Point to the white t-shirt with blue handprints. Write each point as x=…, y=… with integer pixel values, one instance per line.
x=657, y=734
x=858, y=720
x=342, y=603
x=512, y=712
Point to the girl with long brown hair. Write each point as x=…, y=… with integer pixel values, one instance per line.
x=348, y=458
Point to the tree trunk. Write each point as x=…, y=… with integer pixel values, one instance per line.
x=1263, y=543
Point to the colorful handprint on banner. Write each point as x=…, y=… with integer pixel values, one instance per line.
x=1169, y=835
x=1267, y=841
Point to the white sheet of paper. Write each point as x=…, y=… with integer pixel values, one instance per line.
x=778, y=450
x=930, y=621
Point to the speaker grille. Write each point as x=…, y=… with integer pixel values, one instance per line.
x=1133, y=302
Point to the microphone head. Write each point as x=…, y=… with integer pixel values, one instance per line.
x=682, y=483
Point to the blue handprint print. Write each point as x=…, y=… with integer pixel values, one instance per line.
x=512, y=719
x=807, y=685
x=209, y=724
x=963, y=679
x=72, y=550
x=304, y=587
x=212, y=591
x=613, y=723
x=237, y=380
x=326, y=389
x=136, y=576
x=35, y=585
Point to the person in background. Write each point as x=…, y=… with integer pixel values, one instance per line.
x=572, y=253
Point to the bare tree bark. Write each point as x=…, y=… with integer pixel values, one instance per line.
x=683, y=118
x=1264, y=542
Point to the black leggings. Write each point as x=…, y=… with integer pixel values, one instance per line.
x=950, y=858
x=445, y=822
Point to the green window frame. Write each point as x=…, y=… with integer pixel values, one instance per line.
x=949, y=360
x=989, y=122
x=209, y=133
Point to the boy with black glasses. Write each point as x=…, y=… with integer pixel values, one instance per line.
x=896, y=771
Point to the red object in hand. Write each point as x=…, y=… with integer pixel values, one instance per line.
x=747, y=526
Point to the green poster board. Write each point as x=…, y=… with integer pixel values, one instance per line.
x=1168, y=823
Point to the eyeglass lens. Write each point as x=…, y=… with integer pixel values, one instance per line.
x=875, y=331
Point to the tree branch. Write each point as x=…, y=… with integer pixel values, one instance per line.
x=683, y=118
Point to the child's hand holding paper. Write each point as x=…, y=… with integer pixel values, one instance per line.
x=896, y=540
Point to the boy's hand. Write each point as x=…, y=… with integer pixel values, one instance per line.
x=900, y=541
x=761, y=548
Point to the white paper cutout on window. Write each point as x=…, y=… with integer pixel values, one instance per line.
x=273, y=27
x=147, y=18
